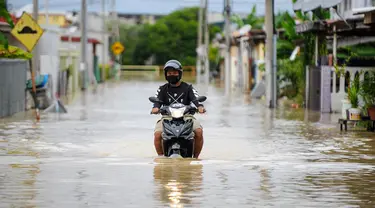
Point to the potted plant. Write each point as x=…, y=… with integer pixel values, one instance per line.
x=340, y=71
x=346, y=105
x=367, y=92
x=353, y=96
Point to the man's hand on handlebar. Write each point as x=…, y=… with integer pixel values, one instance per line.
x=201, y=109
x=155, y=110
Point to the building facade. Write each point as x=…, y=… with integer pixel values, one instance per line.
x=137, y=19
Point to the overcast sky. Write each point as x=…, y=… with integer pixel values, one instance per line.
x=155, y=6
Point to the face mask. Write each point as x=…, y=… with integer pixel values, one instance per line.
x=173, y=79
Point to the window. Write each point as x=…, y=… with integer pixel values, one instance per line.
x=356, y=77
x=331, y=81
x=347, y=81
x=338, y=76
x=366, y=77
x=372, y=2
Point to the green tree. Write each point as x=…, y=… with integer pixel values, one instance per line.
x=129, y=37
x=252, y=19
x=171, y=37
x=5, y=14
x=293, y=72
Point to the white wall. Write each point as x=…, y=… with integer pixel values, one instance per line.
x=48, y=47
x=77, y=46
x=95, y=30
x=234, y=67
x=341, y=94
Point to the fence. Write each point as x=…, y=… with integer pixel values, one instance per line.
x=338, y=86
x=13, y=75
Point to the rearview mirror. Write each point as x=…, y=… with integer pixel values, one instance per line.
x=202, y=98
x=155, y=100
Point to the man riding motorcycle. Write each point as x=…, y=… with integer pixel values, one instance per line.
x=177, y=91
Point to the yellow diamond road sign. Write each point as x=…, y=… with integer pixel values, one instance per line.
x=27, y=31
x=117, y=48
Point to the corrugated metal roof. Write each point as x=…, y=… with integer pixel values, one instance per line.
x=2, y=19
x=363, y=10
x=309, y=5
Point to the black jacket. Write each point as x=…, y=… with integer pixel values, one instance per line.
x=184, y=94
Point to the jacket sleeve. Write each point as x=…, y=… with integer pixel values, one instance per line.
x=193, y=95
x=158, y=94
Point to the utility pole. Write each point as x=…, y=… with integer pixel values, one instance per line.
x=35, y=62
x=35, y=59
x=207, y=45
x=104, y=45
x=270, y=58
x=274, y=67
x=46, y=11
x=115, y=37
x=227, y=10
x=115, y=26
x=117, y=30
x=83, y=66
x=199, y=42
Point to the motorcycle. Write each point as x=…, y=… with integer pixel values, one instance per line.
x=178, y=134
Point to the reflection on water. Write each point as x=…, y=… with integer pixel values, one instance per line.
x=179, y=181
x=18, y=185
x=101, y=154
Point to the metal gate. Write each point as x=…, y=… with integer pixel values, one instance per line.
x=12, y=86
x=314, y=88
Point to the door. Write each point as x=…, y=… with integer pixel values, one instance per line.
x=314, y=88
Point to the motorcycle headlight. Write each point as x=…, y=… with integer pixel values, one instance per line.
x=177, y=112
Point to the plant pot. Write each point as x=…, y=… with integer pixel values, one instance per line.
x=371, y=112
x=330, y=60
x=354, y=114
x=345, y=106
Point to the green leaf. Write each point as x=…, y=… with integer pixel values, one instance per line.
x=4, y=41
x=14, y=53
x=237, y=19
x=4, y=13
x=172, y=37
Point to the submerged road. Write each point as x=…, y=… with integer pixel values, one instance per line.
x=102, y=155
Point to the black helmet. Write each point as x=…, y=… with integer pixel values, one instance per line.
x=174, y=64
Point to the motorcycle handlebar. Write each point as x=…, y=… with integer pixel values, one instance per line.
x=191, y=109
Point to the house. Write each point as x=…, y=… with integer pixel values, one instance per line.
x=61, y=20
x=215, y=18
x=57, y=18
x=54, y=17
x=247, y=55
x=94, y=32
x=347, y=26
x=137, y=19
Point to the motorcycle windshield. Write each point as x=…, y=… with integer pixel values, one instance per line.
x=177, y=112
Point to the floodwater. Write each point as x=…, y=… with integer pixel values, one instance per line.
x=101, y=154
